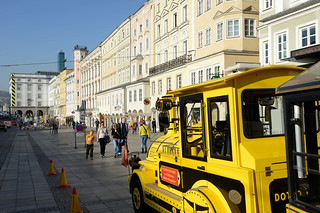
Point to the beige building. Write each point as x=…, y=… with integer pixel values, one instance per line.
x=115, y=50
x=90, y=83
x=79, y=53
x=203, y=39
x=138, y=91
x=63, y=96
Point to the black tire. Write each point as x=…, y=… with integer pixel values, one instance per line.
x=137, y=197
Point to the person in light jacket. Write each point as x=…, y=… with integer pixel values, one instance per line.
x=144, y=134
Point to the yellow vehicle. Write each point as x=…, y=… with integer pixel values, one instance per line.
x=301, y=96
x=224, y=150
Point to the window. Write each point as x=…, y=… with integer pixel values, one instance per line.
x=18, y=95
x=282, y=46
x=140, y=94
x=165, y=3
x=184, y=13
x=133, y=70
x=192, y=122
x=140, y=28
x=199, y=39
x=147, y=68
x=219, y=127
x=140, y=47
x=134, y=51
x=193, y=77
x=130, y=96
x=153, y=88
x=308, y=35
x=200, y=7
x=168, y=84
x=208, y=36
x=208, y=73
x=185, y=47
x=165, y=26
x=200, y=76
x=267, y=4
x=158, y=58
x=219, y=31
x=158, y=31
x=175, y=20
x=266, y=52
x=140, y=69
x=147, y=23
x=249, y=27
x=262, y=112
x=219, y=1
x=134, y=95
x=166, y=56
x=208, y=2
x=158, y=7
x=179, y=81
x=175, y=52
x=39, y=96
x=160, y=87
x=217, y=71
x=233, y=28
x=18, y=87
x=147, y=43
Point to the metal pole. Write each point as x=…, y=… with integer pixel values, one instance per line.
x=75, y=139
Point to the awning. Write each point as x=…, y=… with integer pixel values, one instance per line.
x=307, y=80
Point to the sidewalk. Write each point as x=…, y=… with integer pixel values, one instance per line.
x=102, y=183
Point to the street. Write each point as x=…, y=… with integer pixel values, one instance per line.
x=101, y=183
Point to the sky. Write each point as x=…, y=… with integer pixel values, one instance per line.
x=34, y=31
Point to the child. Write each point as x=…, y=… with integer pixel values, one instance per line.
x=89, y=140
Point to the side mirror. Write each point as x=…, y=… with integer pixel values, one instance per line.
x=164, y=104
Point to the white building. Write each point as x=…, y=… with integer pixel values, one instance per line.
x=29, y=94
x=54, y=97
x=70, y=95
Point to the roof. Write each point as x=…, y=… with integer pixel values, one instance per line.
x=309, y=79
x=214, y=82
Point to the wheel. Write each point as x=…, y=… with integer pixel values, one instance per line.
x=137, y=197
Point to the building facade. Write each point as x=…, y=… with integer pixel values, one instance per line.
x=70, y=97
x=90, y=81
x=289, y=32
x=30, y=92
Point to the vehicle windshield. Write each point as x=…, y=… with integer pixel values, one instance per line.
x=262, y=113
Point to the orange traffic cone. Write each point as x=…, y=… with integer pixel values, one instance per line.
x=63, y=180
x=75, y=206
x=51, y=169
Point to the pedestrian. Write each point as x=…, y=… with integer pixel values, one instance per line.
x=116, y=134
x=144, y=134
x=101, y=133
x=73, y=124
x=124, y=133
x=35, y=126
x=135, y=126
x=90, y=140
x=111, y=124
x=97, y=124
x=154, y=125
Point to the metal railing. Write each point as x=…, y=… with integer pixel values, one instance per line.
x=174, y=63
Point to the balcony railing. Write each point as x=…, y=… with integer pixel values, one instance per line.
x=177, y=62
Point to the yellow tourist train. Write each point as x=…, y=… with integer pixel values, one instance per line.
x=224, y=150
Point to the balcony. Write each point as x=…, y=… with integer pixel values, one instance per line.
x=177, y=62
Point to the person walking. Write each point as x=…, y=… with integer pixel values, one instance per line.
x=89, y=140
x=144, y=134
x=154, y=125
x=116, y=134
x=73, y=124
x=97, y=124
x=124, y=133
x=101, y=133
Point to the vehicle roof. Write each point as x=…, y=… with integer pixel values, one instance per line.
x=307, y=80
x=207, y=85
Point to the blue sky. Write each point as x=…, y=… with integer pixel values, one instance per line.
x=34, y=31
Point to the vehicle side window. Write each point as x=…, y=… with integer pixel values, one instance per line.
x=262, y=113
x=219, y=125
x=191, y=114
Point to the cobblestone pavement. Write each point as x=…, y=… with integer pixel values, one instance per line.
x=101, y=183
